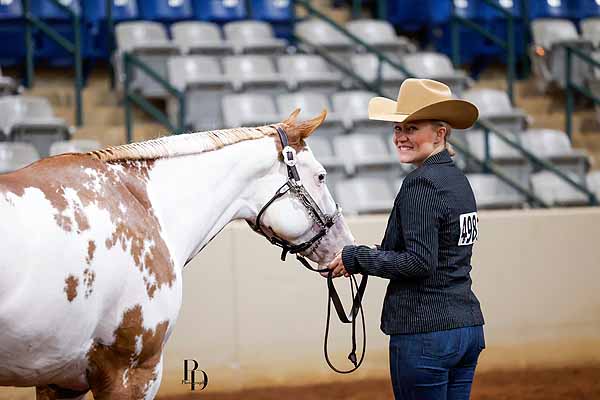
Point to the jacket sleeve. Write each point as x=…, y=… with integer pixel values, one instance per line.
x=420, y=208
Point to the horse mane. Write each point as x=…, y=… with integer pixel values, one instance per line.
x=180, y=145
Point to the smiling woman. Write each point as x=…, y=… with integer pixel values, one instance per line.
x=430, y=312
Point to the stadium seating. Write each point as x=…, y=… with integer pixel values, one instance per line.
x=278, y=13
x=367, y=154
x=12, y=30
x=74, y=146
x=321, y=147
x=94, y=15
x=253, y=37
x=548, y=55
x=353, y=106
x=593, y=183
x=362, y=195
x=255, y=73
x=491, y=192
x=311, y=104
x=585, y=9
x=195, y=37
x=308, y=71
x=149, y=41
x=549, y=9
x=166, y=11
x=16, y=155
x=494, y=106
x=320, y=33
x=555, y=191
x=554, y=146
x=381, y=35
x=366, y=66
x=249, y=109
x=508, y=159
x=437, y=66
x=31, y=119
x=496, y=23
x=412, y=15
x=220, y=11
x=204, y=84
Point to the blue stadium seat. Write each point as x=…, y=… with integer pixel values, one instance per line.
x=220, y=11
x=166, y=11
x=585, y=9
x=94, y=15
x=495, y=21
x=12, y=30
x=279, y=13
x=412, y=15
x=60, y=21
x=549, y=9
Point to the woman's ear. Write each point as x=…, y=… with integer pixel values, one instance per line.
x=440, y=134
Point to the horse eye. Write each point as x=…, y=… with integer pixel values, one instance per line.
x=321, y=178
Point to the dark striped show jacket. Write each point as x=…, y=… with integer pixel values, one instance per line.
x=426, y=252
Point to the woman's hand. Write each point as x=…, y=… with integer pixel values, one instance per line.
x=337, y=266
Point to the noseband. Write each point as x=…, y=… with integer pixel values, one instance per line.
x=325, y=222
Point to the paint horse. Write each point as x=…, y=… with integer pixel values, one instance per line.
x=93, y=245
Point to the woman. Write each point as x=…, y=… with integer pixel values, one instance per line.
x=430, y=312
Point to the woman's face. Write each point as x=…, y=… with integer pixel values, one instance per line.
x=417, y=140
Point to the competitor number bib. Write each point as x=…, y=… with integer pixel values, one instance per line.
x=468, y=229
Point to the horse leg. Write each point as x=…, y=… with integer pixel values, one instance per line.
x=139, y=382
x=53, y=392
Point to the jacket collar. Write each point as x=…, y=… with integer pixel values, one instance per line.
x=438, y=158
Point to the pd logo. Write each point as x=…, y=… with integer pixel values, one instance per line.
x=191, y=378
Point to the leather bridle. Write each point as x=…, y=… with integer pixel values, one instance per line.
x=325, y=222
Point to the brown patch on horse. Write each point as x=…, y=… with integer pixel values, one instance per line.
x=88, y=280
x=53, y=392
x=70, y=289
x=91, y=251
x=67, y=182
x=297, y=132
x=109, y=364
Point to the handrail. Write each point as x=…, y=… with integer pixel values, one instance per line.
x=72, y=47
x=371, y=49
x=129, y=62
x=507, y=45
x=570, y=86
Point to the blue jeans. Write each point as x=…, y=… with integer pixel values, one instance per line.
x=436, y=365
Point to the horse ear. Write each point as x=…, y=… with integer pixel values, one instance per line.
x=291, y=120
x=306, y=128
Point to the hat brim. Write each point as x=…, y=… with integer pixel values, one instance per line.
x=460, y=114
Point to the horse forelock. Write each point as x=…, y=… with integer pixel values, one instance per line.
x=191, y=143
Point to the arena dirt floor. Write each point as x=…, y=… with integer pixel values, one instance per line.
x=575, y=383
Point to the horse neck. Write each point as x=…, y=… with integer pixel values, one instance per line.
x=194, y=197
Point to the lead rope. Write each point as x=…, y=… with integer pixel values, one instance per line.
x=333, y=297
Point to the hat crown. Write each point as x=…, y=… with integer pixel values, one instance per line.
x=415, y=94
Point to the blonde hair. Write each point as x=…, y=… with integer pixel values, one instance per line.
x=446, y=125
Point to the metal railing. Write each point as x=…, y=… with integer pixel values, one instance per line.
x=74, y=47
x=571, y=55
x=507, y=45
x=131, y=61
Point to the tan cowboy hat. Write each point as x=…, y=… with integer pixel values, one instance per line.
x=421, y=99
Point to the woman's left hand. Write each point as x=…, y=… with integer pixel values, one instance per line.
x=337, y=266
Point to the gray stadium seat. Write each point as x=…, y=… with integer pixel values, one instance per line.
x=508, y=159
x=204, y=84
x=491, y=192
x=195, y=37
x=593, y=183
x=353, y=106
x=320, y=33
x=381, y=35
x=254, y=72
x=590, y=30
x=8, y=85
x=308, y=71
x=367, y=154
x=311, y=103
x=548, y=55
x=149, y=41
x=556, y=191
x=74, y=146
x=363, y=195
x=366, y=66
x=249, y=109
x=494, y=106
x=554, y=146
x=323, y=150
x=16, y=155
x=437, y=66
x=253, y=37
x=31, y=119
